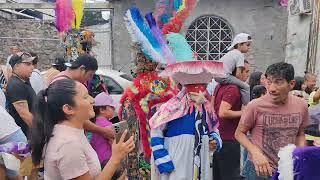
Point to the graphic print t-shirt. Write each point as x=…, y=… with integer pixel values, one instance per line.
x=275, y=126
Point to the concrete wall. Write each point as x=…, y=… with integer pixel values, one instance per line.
x=30, y=35
x=297, y=42
x=42, y=38
x=265, y=20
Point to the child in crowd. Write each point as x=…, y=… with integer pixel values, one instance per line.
x=258, y=91
x=104, y=108
x=234, y=60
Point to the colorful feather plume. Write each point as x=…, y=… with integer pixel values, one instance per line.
x=156, y=32
x=64, y=15
x=141, y=33
x=163, y=12
x=77, y=6
x=177, y=4
x=175, y=23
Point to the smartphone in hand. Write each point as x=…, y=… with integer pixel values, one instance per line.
x=119, y=129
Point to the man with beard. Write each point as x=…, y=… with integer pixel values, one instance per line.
x=273, y=123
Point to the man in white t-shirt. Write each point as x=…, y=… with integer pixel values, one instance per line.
x=36, y=79
x=2, y=99
x=10, y=132
x=233, y=64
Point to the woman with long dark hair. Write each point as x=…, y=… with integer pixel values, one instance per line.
x=58, y=137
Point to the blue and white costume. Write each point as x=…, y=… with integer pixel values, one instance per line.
x=177, y=150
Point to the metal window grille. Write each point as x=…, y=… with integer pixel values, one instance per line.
x=209, y=36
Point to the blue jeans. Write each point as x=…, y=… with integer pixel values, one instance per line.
x=244, y=160
x=17, y=136
x=249, y=172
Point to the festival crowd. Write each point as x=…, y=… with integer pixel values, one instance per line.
x=53, y=126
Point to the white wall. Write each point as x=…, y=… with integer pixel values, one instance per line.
x=297, y=42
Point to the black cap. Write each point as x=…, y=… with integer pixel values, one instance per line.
x=20, y=57
x=89, y=62
x=59, y=61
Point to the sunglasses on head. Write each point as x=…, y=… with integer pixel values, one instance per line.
x=21, y=54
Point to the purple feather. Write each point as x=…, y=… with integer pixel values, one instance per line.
x=156, y=32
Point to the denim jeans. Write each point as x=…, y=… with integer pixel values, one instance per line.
x=249, y=172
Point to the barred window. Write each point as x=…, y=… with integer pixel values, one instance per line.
x=209, y=36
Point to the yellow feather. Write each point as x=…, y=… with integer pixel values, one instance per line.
x=182, y=6
x=77, y=6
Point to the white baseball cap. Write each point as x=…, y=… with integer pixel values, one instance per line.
x=240, y=38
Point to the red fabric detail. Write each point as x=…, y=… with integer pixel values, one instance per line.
x=196, y=88
x=142, y=84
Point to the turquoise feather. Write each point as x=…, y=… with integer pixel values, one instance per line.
x=180, y=47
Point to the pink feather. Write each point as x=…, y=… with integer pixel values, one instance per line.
x=64, y=15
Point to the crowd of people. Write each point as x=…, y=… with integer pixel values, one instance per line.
x=70, y=136
x=51, y=111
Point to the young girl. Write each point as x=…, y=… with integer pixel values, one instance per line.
x=104, y=108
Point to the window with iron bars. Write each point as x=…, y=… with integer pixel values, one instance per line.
x=209, y=36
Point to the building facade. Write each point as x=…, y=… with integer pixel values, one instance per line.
x=212, y=25
x=209, y=30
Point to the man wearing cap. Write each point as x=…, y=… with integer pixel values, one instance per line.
x=82, y=70
x=20, y=94
x=104, y=107
x=58, y=66
x=234, y=61
x=227, y=106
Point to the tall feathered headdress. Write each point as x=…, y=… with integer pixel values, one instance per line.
x=175, y=23
x=150, y=38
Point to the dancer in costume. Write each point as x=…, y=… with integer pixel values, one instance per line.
x=138, y=104
x=76, y=41
x=183, y=127
x=148, y=91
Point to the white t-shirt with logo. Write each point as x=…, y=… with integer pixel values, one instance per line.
x=233, y=59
